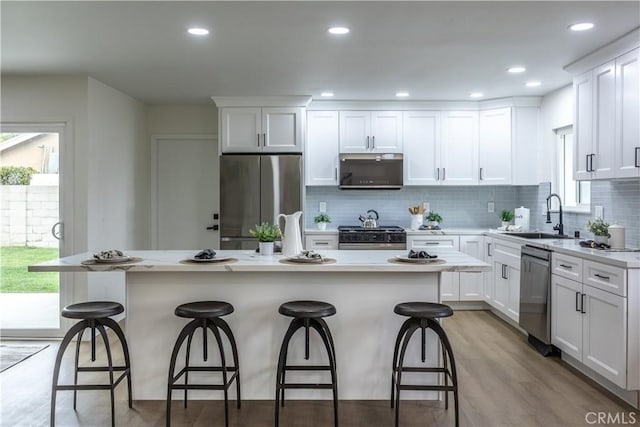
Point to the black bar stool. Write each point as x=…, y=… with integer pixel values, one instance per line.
x=307, y=314
x=93, y=315
x=205, y=315
x=423, y=315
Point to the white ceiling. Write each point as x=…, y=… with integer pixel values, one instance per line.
x=434, y=50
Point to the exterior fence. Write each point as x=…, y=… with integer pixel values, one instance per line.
x=27, y=214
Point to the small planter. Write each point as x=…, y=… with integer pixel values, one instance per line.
x=601, y=239
x=432, y=224
x=266, y=248
x=505, y=224
x=321, y=225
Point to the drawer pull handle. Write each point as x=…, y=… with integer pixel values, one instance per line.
x=577, y=301
x=566, y=266
x=432, y=243
x=637, y=163
x=602, y=277
x=321, y=243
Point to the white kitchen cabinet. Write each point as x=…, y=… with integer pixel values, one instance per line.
x=589, y=317
x=488, y=275
x=494, y=147
x=421, y=147
x=604, y=109
x=321, y=241
x=449, y=282
x=257, y=130
x=604, y=334
x=582, y=125
x=506, y=276
x=471, y=284
x=628, y=115
x=513, y=284
x=459, y=148
x=566, y=317
x=370, y=131
x=321, y=151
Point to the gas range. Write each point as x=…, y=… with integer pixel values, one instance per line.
x=383, y=237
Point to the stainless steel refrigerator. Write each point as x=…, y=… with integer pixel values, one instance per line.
x=255, y=189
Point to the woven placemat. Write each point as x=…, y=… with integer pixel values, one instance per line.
x=213, y=261
x=417, y=262
x=131, y=260
x=324, y=262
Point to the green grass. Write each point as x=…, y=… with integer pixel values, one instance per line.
x=15, y=277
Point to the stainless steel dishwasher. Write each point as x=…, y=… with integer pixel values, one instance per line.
x=535, y=297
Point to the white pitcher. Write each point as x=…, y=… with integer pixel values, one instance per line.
x=292, y=238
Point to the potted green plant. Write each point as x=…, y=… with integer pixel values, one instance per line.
x=506, y=216
x=321, y=220
x=266, y=234
x=433, y=219
x=600, y=230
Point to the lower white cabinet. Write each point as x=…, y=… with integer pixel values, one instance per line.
x=590, y=325
x=449, y=282
x=321, y=241
x=505, y=292
x=471, y=284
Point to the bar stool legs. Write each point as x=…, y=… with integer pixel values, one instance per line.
x=448, y=370
x=321, y=327
x=78, y=330
x=214, y=325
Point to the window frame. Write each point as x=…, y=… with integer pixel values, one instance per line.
x=560, y=174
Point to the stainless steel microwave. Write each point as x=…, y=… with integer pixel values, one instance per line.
x=371, y=171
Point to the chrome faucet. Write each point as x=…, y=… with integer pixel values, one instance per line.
x=558, y=227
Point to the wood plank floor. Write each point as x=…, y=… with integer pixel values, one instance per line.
x=503, y=382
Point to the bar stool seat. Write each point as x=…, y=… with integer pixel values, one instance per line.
x=204, y=309
x=423, y=310
x=307, y=309
x=307, y=314
x=206, y=315
x=92, y=310
x=423, y=316
x=93, y=315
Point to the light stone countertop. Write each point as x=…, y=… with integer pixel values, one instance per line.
x=248, y=261
x=572, y=247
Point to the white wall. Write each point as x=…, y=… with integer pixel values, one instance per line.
x=118, y=198
x=182, y=119
x=556, y=111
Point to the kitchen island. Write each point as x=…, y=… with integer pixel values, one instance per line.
x=363, y=285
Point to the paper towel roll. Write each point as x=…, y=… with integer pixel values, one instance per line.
x=522, y=218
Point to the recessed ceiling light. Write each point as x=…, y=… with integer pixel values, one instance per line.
x=338, y=30
x=327, y=94
x=476, y=95
x=402, y=94
x=516, y=70
x=582, y=26
x=533, y=83
x=198, y=31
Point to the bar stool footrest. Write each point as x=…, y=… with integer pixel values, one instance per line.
x=308, y=368
x=92, y=386
x=198, y=386
x=428, y=387
x=306, y=386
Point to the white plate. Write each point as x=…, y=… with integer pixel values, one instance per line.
x=405, y=258
x=113, y=260
x=215, y=259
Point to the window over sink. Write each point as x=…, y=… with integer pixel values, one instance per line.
x=576, y=195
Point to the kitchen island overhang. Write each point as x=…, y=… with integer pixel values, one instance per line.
x=363, y=286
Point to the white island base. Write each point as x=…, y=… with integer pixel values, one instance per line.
x=364, y=329
x=363, y=286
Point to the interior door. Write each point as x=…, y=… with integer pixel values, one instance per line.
x=33, y=229
x=185, y=196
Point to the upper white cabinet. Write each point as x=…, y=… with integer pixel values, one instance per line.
x=370, y=131
x=321, y=152
x=494, y=149
x=607, y=118
x=266, y=129
x=421, y=143
x=628, y=118
x=459, y=148
x=594, y=118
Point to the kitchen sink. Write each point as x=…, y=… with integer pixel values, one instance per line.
x=539, y=236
